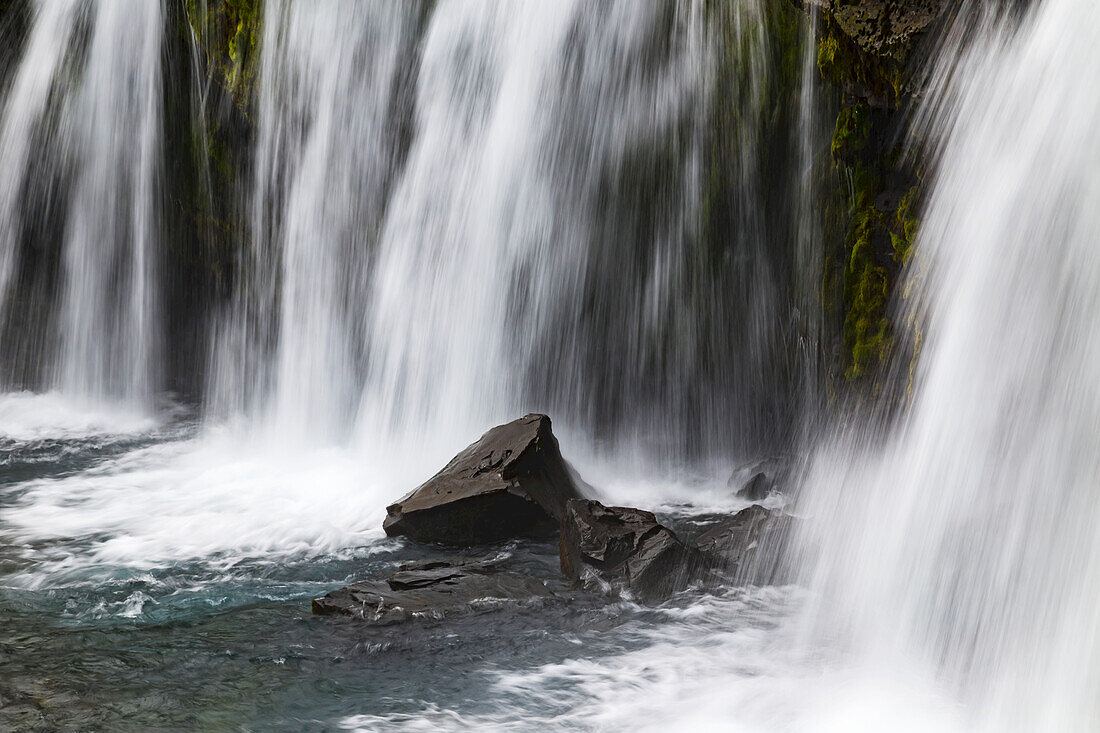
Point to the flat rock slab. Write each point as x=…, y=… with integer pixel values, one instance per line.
x=623, y=548
x=432, y=589
x=512, y=482
x=752, y=546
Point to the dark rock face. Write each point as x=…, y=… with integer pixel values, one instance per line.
x=512, y=482
x=625, y=548
x=752, y=545
x=432, y=589
x=886, y=27
x=873, y=53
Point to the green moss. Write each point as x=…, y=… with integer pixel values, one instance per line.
x=833, y=63
x=246, y=37
x=863, y=49
x=866, y=294
x=853, y=130
x=229, y=32
x=905, y=226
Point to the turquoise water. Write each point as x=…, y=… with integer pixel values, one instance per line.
x=94, y=637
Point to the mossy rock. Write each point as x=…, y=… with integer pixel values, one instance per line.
x=866, y=49
x=229, y=33
x=867, y=287
x=905, y=225
x=852, y=132
x=866, y=46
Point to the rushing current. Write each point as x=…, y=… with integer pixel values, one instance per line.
x=459, y=211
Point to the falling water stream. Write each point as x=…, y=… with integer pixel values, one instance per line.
x=80, y=147
x=463, y=210
x=970, y=536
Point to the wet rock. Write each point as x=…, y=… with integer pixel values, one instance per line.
x=755, y=481
x=432, y=589
x=623, y=548
x=512, y=482
x=756, y=488
x=885, y=26
x=752, y=546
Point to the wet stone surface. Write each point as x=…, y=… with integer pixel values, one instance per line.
x=433, y=589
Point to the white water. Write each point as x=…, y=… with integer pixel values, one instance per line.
x=26, y=417
x=970, y=540
x=83, y=116
x=197, y=501
x=460, y=182
x=25, y=105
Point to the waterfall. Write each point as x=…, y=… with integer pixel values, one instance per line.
x=967, y=541
x=464, y=210
x=361, y=232
x=383, y=229
x=330, y=109
x=80, y=147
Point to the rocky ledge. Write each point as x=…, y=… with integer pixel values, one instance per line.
x=514, y=483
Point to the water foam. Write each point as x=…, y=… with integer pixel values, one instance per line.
x=26, y=416
x=216, y=499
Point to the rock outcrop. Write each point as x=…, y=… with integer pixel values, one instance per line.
x=872, y=51
x=432, y=589
x=867, y=46
x=512, y=482
x=623, y=549
x=751, y=547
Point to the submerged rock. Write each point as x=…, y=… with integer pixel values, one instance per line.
x=752, y=545
x=511, y=482
x=624, y=548
x=432, y=589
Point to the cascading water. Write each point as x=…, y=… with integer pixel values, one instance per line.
x=456, y=211
x=330, y=111
x=504, y=201
x=80, y=147
x=968, y=542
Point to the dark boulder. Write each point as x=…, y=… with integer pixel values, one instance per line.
x=754, y=481
x=625, y=549
x=756, y=488
x=752, y=546
x=432, y=589
x=512, y=482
